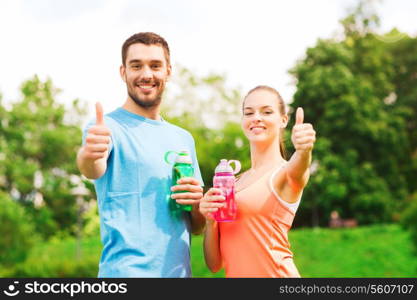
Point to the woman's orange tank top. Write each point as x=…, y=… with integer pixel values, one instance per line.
x=256, y=243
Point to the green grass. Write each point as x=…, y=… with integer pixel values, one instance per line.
x=371, y=251
x=198, y=265
x=374, y=251
x=59, y=258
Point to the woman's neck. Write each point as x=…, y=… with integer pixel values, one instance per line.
x=264, y=156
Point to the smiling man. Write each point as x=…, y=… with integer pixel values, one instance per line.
x=124, y=152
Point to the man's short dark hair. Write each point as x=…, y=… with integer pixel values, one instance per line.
x=147, y=38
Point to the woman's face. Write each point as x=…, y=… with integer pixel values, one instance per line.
x=262, y=120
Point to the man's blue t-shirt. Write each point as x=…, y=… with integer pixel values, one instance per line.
x=141, y=236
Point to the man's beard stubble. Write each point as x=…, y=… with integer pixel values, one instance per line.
x=145, y=104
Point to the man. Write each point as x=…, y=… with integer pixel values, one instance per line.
x=124, y=151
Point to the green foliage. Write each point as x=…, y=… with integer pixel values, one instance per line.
x=39, y=138
x=213, y=145
x=17, y=231
x=348, y=88
x=405, y=100
x=409, y=218
x=91, y=221
x=355, y=192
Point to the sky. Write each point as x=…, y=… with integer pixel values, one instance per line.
x=77, y=43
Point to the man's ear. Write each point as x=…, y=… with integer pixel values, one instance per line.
x=123, y=72
x=169, y=71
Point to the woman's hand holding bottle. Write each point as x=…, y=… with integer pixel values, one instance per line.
x=211, y=202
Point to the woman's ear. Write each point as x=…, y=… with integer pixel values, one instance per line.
x=284, y=121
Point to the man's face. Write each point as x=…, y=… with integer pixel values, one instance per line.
x=146, y=73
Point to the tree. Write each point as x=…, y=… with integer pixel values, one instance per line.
x=39, y=138
x=345, y=86
x=404, y=100
x=17, y=231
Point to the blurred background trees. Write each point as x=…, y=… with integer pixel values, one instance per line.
x=211, y=112
x=352, y=89
x=358, y=89
x=39, y=138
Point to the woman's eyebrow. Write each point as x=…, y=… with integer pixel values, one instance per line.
x=265, y=106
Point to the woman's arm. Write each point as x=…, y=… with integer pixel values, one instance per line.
x=298, y=173
x=212, y=253
x=210, y=203
x=303, y=138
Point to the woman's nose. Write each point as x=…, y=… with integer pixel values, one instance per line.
x=257, y=116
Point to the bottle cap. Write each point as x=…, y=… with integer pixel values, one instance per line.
x=224, y=166
x=183, y=157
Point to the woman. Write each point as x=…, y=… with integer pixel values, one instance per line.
x=267, y=195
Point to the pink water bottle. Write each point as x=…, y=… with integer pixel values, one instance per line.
x=224, y=179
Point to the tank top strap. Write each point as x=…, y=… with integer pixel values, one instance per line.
x=292, y=207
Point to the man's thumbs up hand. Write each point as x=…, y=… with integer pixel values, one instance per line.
x=303, y=135
x=98, y=137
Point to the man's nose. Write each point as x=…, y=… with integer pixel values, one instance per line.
x=147, y=73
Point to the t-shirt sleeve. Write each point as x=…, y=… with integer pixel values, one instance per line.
x=85, y=132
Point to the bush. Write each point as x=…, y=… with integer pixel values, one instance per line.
x=16, y=231
x=409, y=219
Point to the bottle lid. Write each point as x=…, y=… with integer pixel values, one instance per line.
x=224, y=166
x=183, y=157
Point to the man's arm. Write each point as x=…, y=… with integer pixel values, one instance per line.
x=192, y=196
x=198, y=221
x=90, y=168
x=92, y=156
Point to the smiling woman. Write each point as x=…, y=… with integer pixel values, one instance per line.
x=270, y=112
x=267, y=195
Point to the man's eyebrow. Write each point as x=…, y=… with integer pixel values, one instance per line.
x=134, y=61
x=153, y=61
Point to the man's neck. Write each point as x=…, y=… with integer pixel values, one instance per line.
x=150, y=113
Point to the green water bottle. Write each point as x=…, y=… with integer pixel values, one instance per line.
x=183, y=167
